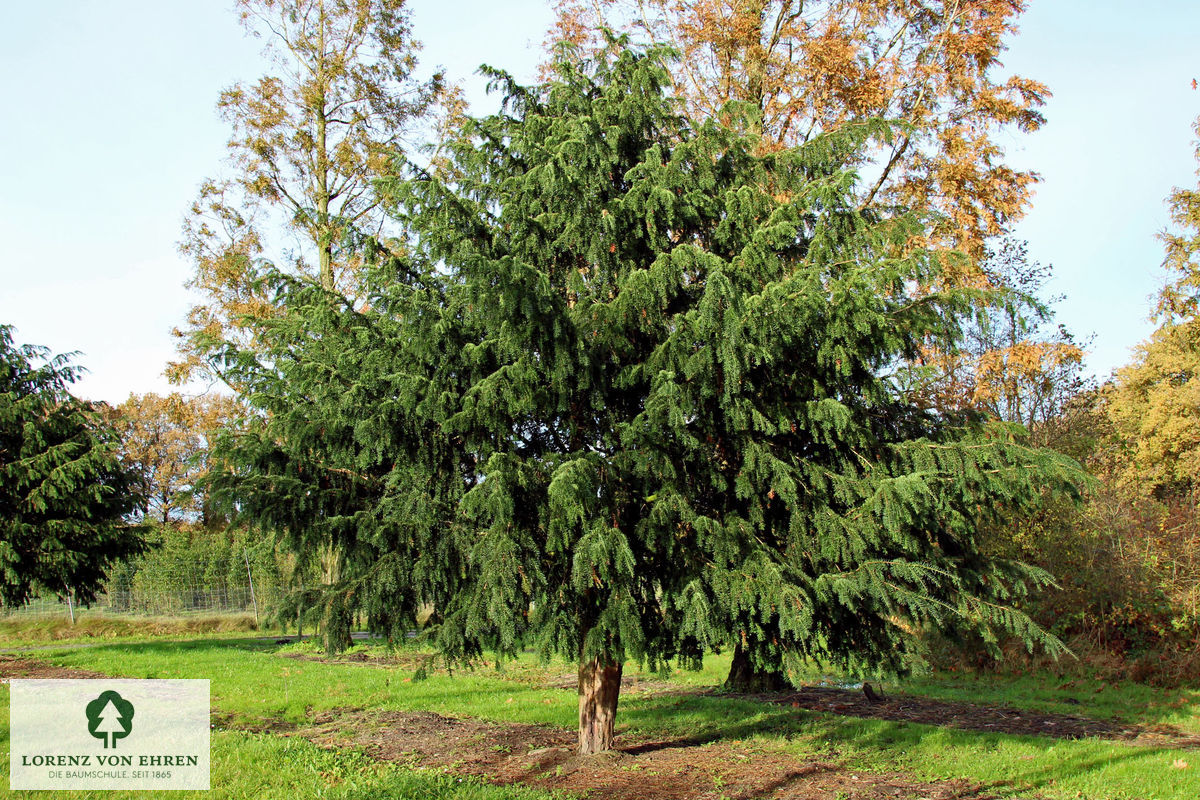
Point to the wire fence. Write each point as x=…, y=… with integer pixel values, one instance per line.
x=218, y=599
x=195, y=588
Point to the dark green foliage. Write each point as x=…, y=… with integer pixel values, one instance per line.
x=64, y=494
x=340, y=462
x=677, y=354
x=632, y=397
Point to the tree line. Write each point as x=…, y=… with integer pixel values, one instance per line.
x=712, y=339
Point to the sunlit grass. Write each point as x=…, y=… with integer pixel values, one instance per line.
x=252, y=680
x=249, y=765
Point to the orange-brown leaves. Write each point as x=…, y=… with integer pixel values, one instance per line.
x=811, y=67
x=306, y=144
x=166, y=440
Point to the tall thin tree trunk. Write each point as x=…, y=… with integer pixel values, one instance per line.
x=599, y=690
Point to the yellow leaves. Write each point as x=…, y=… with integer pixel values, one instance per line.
x=1154, y=406
x=1180, y=298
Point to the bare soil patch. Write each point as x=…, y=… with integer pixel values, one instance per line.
x=896, y=708
x=684, y=769
x=17, y=667
x=968, y=716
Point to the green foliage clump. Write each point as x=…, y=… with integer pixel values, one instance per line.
x=631, y=394
x=64, y=494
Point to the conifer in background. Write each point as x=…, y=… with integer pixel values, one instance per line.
x=338, y=450
x=64, y=494
x=670, y=386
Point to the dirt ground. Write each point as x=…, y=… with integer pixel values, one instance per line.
x=664, y=770
x=926, y=711
x=17, y=667
x=684, y=769
x=895, y=708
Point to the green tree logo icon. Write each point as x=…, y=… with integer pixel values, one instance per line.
x=110, y=717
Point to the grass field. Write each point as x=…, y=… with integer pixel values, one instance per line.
x=255, y=684
x=17, y=631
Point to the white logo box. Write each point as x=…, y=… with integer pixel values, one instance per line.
x=80, y=734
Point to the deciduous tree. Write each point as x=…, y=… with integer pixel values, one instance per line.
x=307, y=141
x=813, y=67
x=1154, y=403
x=1013, y=364
x=166, y=441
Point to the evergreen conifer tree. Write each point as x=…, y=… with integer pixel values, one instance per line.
x=64, y=493
x=678, y=397
x=340, y=449
x=631, y=398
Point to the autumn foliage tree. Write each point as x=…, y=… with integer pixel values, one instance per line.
x=166, y=441
x=1154, y=403
x=1013, y=363
x=814, y=67
x=307, y=141
x=1143, y=517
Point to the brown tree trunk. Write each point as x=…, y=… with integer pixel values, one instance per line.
x=745, y=677
x=599, y=689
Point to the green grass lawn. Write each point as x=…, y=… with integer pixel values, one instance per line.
x=248, y=765
x=252, y=681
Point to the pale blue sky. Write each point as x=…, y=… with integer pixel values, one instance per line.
x=111, y=128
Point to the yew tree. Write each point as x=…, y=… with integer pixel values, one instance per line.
x=664, y=363
x=341, y=448
x=64, y=493
x=811, y=67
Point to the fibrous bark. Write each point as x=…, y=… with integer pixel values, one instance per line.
x=599, y=689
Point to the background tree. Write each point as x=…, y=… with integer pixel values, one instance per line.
x=813, y=67
x=307, y=142
x=64, y=494
x=1130, y=559
x=166, y=441
x=1154, y=402
x=1013, y=363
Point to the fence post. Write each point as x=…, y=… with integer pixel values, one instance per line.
x=250, y=578
x=71, y=606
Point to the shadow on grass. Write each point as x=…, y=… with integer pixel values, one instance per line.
x=247, y=682
x=1000, y=761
